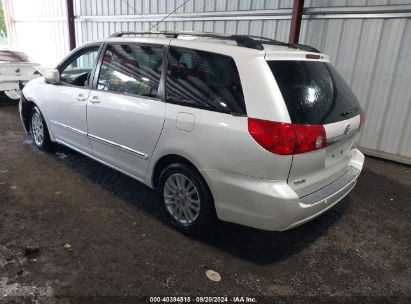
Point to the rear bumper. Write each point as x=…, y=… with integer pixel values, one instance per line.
x=273, y=205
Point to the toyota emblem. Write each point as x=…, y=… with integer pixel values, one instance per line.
x=347, y=129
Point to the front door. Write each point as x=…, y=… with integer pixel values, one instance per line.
x=124, y=112
x=66, y=102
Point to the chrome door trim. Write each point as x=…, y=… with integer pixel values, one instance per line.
x=102, y=140
x=113, y=144
x=99, y=160
x=58, y=124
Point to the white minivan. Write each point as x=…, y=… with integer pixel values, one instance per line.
x=245, y=129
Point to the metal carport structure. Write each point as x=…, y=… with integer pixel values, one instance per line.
x=369, y=41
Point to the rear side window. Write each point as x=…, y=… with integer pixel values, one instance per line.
x=314, y=92
x=204, y=80
x=8, y=56
x=131, y=69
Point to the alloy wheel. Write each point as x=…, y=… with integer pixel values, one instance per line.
x=37, y=129
x=181, y=198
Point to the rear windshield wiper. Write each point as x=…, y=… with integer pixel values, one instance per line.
x=348, y=112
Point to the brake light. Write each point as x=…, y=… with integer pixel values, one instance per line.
x=362, y=120
x=287, y=139
x=312, y=56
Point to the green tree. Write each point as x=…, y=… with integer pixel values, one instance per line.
x=3, y=30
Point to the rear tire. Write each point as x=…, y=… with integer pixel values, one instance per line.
x=186, y=199
x=39, y=131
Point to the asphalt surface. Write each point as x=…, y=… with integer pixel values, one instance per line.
x=99, y=234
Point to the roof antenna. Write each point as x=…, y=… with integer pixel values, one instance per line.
x=155, y=25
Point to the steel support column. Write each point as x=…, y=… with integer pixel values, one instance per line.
x=297, y=15
x=71, y=27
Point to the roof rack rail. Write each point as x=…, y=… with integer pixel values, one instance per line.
x=241, y=40
x=304, y=47
x=252, y=42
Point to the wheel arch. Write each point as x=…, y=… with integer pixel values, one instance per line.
x=27, y=106
x=166, y=160
x=169, y=159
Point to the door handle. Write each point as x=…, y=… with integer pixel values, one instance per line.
x=95, y=99
x=81, y=97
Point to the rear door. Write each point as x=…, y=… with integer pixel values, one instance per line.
x=315, y=94
x=125, y=113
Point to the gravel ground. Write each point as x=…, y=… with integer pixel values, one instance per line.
x=101, y=238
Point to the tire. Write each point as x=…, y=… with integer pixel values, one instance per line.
x=3, y=96
x=186, y=199
x=13, y=94
x=39, y=131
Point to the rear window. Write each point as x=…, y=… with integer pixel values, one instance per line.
x=8, y=56
x=314, y=92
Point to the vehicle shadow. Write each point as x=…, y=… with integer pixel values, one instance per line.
x=249, y=244
x=6, y=102
x=266, y=247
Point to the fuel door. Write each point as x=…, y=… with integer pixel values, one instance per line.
x=185, y=121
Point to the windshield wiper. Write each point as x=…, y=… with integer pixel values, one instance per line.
x=348, y=112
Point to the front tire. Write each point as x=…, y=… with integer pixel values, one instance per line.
x=39, y=131
x=186, y=200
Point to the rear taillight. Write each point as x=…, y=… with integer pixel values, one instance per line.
x=275, y=137
x=309, y=138
x=287, y=139
x=362, y=120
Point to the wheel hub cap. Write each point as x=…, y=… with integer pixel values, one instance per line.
x=37, y=129
x=181, y=198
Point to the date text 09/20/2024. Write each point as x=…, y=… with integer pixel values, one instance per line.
x=203, y=299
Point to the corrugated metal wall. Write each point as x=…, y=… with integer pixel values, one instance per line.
x=369, y=41
x=374, y=56
x=39, y=27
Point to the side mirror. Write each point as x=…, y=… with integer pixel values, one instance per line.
x=52, y=77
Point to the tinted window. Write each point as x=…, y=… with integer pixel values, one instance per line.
x=77, y=71
x=205, y=80
x=314, y=92
x=131, y=69
x=8, y=56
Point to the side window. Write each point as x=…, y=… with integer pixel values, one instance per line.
x=77, y=72
x=131, y=69
x=205, y=80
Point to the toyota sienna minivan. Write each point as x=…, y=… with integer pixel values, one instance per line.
x=245, y=129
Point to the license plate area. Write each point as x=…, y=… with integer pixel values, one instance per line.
x=338, y=152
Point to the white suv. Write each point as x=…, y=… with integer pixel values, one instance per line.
x=247, y=129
